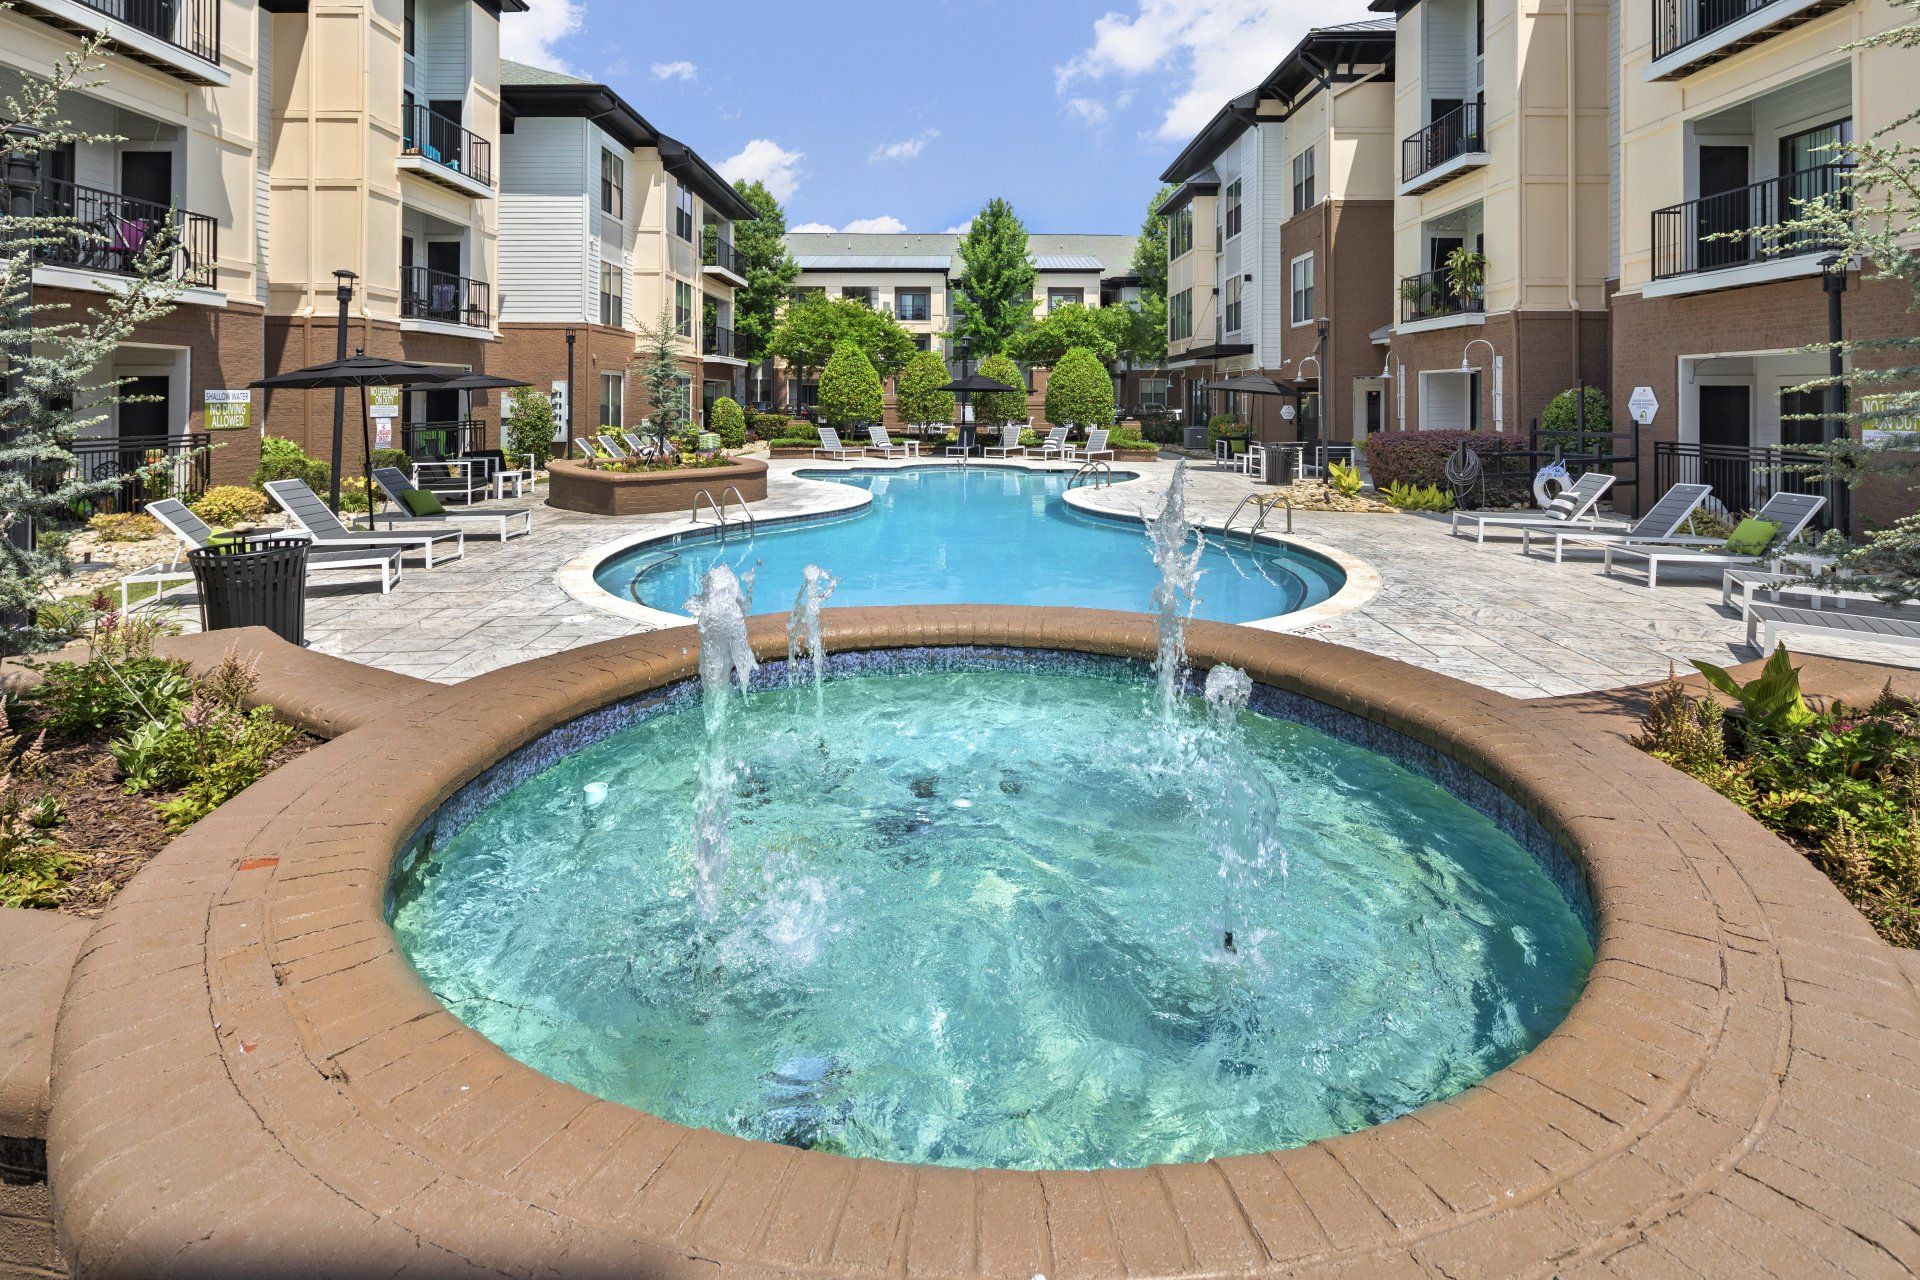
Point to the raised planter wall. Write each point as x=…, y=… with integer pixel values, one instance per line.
x=573, y=486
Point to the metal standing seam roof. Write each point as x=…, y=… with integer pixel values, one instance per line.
x=1110, y=255
x=869, y=262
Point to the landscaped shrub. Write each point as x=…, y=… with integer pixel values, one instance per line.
x=1344, y=479
x=850, y=390
x=284, y=460
x=1160, y=428
x=796, y=429
x=727, y=421
x=1408, y=497
x=1224, y=426
x=767, y=426
x=527, y=431
x=120, y=684
x=33, y=866
x=112, y=526
x=998, y=408
x=1129, y=438
x=1080, y=391
x=917, y=390
x=1420, y=457
x=1559, y=424
x=227, y=505
x=393, y=458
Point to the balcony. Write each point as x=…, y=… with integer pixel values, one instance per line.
x=113, y=233
x=1740, y=228
x=443, y=298
x=187, y=471
x=441, y=150
x=179, y=37
x=717, y=341
x=1431, y=295
x=721, y=260
x=1691, y=34
x=1451, y=145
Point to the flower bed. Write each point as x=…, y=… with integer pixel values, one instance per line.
x=574, y=486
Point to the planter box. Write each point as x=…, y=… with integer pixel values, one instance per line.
x=573, y=487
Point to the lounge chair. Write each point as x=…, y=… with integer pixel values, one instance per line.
x=1574, y=508
x=1748, y=582
x=1790, y=512
x=1055, y=443
x=1855, y=617
x=324, y=527
x=195, y=533
x=831, y=446
x=1662, y=523
x=1096, y=448
x=1009, y=443
x=882, y=443
x=394, y=483
x=465, y=479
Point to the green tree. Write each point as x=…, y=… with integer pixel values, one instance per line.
x=1080, y=391
x=52, y=393
x=529, y=425
x=1096, y=329
x=729, y=422
x=768, y=267
x=850, y=390
x=658, y=367
x=998, y=408
x=1560, y=420
x=1150, y=250
x=814, y=327
x=918, y=390
x=993, y=293
x=1870, y=218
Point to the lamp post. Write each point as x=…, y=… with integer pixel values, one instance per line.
x=1833, y=279
x=1467, y=367
x=572, y=336
x=343, y=291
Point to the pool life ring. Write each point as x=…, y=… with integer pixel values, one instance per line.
x=1554, y=473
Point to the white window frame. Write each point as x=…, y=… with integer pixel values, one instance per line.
x=684, y=213
x=1231, y=297
x=1232, y=210
x=1294, y=292
x=616, y=383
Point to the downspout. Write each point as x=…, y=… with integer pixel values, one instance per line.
x=1573, y=230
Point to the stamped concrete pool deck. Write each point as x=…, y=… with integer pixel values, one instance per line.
x=1488, y=615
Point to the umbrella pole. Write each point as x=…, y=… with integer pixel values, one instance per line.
x=366, y=452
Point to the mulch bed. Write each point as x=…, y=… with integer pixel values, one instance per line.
x=112, y=833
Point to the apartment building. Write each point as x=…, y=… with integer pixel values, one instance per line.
x=1280, y=242
x=1728, y=116
x=1502, y=109
x=609, y=226
x=180, y=109
x=910, y=277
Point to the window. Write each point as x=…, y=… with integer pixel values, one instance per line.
x=913, y=304
x=1303, y=196
x=613, y=184
x=1301, y=279
x=923, y=342
x=408, y=27
x=1180, y=316
x=683, y=308
x=683, y=213
x=864, y=294
x=1153, y=393
x=805, y=291
x=1057, y=298
x=1231, y=203
x=1233, y=304
x=612, y=416
x=1180, y=233
x=613, y=309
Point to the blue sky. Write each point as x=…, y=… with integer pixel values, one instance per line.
x=865, y=115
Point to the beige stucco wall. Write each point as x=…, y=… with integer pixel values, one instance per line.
x=885, y=283
x=1196, y=270
x=660, y=258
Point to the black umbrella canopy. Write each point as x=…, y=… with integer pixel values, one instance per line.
x=974, y=384
x=363, y=371
x=1253, y=384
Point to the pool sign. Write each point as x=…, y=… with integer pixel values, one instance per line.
x=227, y=410
x=1643, y=405
x=383, y=402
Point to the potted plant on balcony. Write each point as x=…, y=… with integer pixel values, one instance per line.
x=1467, y=274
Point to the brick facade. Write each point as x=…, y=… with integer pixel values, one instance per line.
x=1352, y=244
x=537, y=354
x=1537, y=348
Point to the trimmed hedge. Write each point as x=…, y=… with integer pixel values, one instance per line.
x=727, y=421
x=1419, y=458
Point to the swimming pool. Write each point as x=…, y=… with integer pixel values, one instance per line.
x=975, y=535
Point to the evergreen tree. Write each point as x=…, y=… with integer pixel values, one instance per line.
x=1080, y=391
x=761, y=246
x=850, y=390
x=993, y=293
x=918, y=390
x=658, y=367
x=998, y=408
x=51, y=357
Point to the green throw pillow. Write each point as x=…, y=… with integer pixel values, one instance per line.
x=422, y=503
x=1753, y=537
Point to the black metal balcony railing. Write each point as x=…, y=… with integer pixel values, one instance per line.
x=1678, y=23
x=445, y=297
x=439, y=441
x=187, y=471
x=189, y=25
x=1740, y=227
x=720, y=254
x=718, y=341
x=1454, y=134
x=445, y=141
x=915, y=309
x=1745, y=476
x=111, y=233
x=1432, y=294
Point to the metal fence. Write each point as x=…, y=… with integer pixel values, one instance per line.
x=1741, y=226
x=1745, y=476
x=191, y=25
x=112, y=232
x=445, y=141
x=440, y=295
x=1454, y=134
x=186, y=473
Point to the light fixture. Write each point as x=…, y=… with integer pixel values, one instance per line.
x=1465, y=366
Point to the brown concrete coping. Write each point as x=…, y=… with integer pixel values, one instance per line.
x=574, y=486
x=249, y=1079
x=37, y=951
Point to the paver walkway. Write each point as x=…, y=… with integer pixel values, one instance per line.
x=1523, y=626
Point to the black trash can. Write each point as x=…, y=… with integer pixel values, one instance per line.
x=254, y=584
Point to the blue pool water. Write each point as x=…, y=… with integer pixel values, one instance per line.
x=972, y=536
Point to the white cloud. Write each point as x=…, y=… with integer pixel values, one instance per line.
x=766, y=162
x=530, y=37
x=811, y=228
x=907, y=149
x=962, y=229
x=882, y=225
x=1217, y=48
x=1088, y=112
x=681, y=70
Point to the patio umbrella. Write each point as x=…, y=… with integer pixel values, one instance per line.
x=972, y=384
x=362, y=371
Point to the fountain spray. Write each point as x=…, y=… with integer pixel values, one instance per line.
x=725, y=656
x=803, y=634
x=1228, y=691
x=1176, y=594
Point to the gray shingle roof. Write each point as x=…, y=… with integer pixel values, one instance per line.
x=936, y=251
x=522, y=73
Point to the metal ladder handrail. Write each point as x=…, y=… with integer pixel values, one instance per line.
x=1264, y=504
x=1092, y=472
x=718, y=513
x=753, y=526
